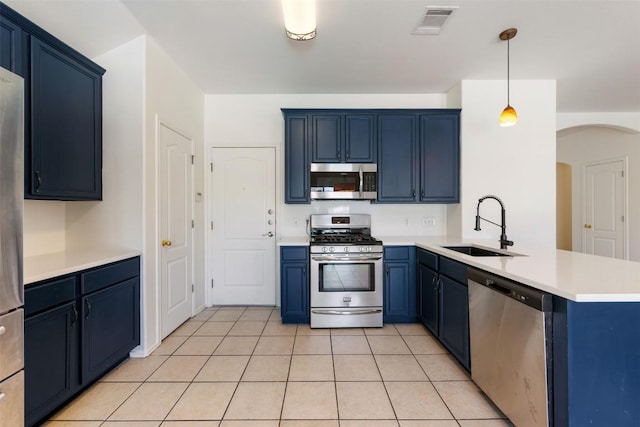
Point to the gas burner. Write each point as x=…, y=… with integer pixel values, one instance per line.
x=357, y=239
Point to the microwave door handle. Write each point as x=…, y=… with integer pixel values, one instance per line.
x=361, y=177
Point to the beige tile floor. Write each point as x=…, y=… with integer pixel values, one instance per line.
x=241, y=367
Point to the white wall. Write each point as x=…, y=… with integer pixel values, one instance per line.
x=516, y=163
x=44, y=231
x=588, y=144
x=256, y=121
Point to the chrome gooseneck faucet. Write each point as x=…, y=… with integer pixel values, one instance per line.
x=504, y=242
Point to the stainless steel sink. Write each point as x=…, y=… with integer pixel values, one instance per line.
x=477, y=251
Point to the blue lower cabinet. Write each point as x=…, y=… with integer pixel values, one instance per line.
x=294, y=284
x=429, y=298
x=51, y=352
x=454, y=319
x=111, y=327
x=596, y=363
x=444, y=302
x=73, y=336
x=400, y=288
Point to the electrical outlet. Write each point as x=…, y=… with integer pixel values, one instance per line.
x=428, y=221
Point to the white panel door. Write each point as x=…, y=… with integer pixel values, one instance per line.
x=243, y=226
x=176, y=181
x=603, y=228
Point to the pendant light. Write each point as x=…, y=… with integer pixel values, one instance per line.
x=299, y=19
x=509, y=117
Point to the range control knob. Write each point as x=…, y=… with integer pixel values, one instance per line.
x=331, y=249
x=346, y=248
x=325, y=249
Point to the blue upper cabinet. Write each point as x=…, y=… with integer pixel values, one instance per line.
x=11, y=56
x=417, y=151
x=342, y=138
x=359, y=138
x=66, y=131
x=326, y=138
x=63, y=111
x=296, y=158
x=440, y=158
x=419, y=157
x=397, y=158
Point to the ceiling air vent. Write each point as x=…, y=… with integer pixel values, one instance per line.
x=433, y=20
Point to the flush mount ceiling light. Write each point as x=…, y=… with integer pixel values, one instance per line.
x=299, y=19
x=509, y=117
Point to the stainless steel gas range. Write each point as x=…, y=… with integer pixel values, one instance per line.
x=346, y=272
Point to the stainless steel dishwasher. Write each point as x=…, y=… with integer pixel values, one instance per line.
x=510, y=334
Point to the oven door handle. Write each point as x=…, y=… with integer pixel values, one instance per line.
x=329, y=258
x=347, y=313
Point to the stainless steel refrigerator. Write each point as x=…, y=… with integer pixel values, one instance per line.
x=11, y=284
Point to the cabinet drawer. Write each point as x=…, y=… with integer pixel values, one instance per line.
x=453, y=269
x=12, y=403
x=108, y=275
x=428, y=258
x=11, y=343
x=392, y=253
x=49, y=294
x=293, y=253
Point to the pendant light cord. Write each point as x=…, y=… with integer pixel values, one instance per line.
x=508, y=80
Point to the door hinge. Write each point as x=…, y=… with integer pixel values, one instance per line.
x=193, y=288
x=622, y=218
x=211, y=166
x=211, y=225
x=211, y=283
x=622, y=174
x=193, y=224
x=193, y=159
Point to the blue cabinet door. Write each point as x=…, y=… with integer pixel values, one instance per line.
x=294, y=284
x=439, y=158
x=50, y=360
x=360, y=138
x=66, y=127
x=111, y=327
x=400, y=288
x=326, y=138
x=429, y=301
x=397, y=158
x=296, y=158
x=454, y=319
x=11, y=55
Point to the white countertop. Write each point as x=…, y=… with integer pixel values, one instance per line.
x=42, y=267
x=293, y=241
x=572, y=275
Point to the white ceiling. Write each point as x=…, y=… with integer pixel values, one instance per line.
x=592, y=48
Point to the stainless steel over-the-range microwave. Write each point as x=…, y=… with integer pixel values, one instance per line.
x=344, y=181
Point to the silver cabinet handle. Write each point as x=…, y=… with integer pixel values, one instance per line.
x=2, y=395
x=269, y=234
x=2, y=330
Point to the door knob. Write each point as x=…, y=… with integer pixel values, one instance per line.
x=269, y=234
x=587, y=226
x=166, y=243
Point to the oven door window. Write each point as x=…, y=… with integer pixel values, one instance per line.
x=346, y=277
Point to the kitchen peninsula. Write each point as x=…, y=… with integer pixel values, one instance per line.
x=596, y=314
